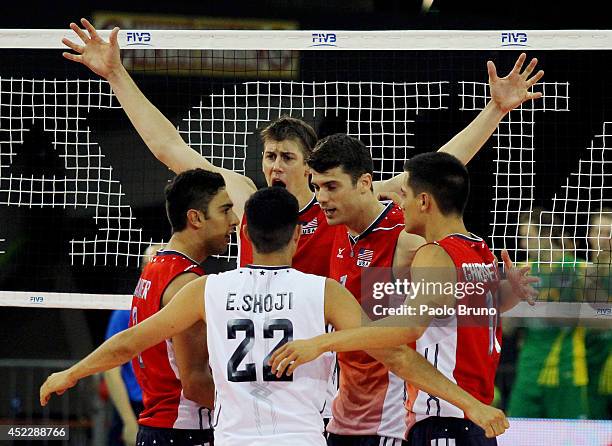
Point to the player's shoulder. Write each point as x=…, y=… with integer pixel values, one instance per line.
x=393, y=216
x=170, y=260
x=300, y=275
x=432, y=254
x=409, y=241
x=333, y=288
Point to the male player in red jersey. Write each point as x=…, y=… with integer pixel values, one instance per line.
x=288, y=143
x=248, y=312
x=342, y=170
x=463, y=347
x=177, y=386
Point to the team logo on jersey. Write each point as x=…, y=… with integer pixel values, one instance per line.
x=310, y=227
x=364, y=257
x=340, y=255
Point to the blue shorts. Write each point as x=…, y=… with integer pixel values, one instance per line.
x=156, y=436
x=447, y=431
x=361, y=440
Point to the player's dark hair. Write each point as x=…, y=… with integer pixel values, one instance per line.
x=443, y=176
x=271, y=215
x=287, y=127
x=192, y=189
x=342, y=151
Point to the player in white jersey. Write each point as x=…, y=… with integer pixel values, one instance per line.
x=249, y=313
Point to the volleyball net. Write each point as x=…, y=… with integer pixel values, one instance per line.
x=81, y=196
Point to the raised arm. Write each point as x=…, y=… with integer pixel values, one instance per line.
x=507, y=93
x=158, y=133
x=185, y=309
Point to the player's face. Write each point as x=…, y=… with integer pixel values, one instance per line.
x=284, y=165
x=411, y=209
x=338, y=196
x=600, y=233
x=220, y=224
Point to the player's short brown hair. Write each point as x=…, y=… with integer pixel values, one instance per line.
x=287, y=127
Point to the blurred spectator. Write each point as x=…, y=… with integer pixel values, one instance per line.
x=599, y=341
x=551, y=373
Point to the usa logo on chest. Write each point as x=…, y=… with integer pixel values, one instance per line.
x=364, y=257
x=310, y=227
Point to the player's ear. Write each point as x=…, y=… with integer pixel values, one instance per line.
x=195, y=218
x=366, y=182
x=297, y=232
x=424, y=201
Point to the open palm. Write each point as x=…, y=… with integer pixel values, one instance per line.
x=99, y=56
x=511, y=91
x=520, y=280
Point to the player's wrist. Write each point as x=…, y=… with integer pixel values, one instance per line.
x=471, y=407
x=116, y=73
x=324, y=343
x=496, y=109
x=75, y=373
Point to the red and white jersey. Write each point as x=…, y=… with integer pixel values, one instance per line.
x=250, y=312
x=155, y=368
x=314, y=246
x=371, y=398
x=464, y=348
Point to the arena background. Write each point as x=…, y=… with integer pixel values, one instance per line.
x=36, y=242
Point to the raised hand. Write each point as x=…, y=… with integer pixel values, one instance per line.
x=56, y=383
x=511, y=91
x=520, y=280
x=99, y=56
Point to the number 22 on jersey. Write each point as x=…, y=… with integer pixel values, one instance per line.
x=249, y=373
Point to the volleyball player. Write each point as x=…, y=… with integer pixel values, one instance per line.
x=464, y=349
x=178, y=390
x=248, y=313
x=374, y=247
x=288, y=142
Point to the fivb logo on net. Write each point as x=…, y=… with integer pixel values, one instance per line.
x=138, y=38
x=514, y=39
x=324, y=39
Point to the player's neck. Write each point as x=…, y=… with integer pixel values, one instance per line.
x=304, y=196
x=442, y=226
x=184, y=243
x=370, y=211
x=273, y=259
